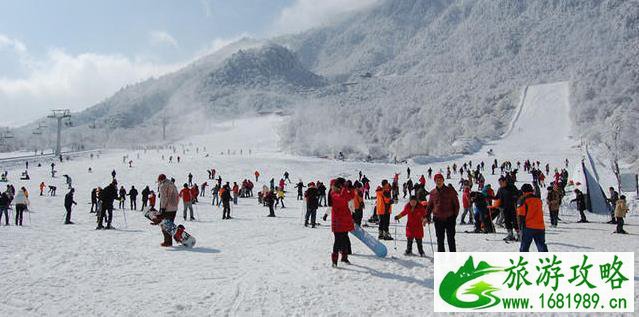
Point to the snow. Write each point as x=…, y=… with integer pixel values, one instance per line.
x=253, y=265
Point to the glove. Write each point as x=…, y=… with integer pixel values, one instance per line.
x=325, y=216
x=397, y=218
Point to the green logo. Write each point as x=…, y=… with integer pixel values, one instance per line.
x=453, y=282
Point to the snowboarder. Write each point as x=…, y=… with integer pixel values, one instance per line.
x=531, y=215
x=68, y=204
x=443, y=205
x=415, y=225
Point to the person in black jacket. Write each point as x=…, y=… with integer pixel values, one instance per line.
x=94, y=200
x=580, y=199
x=122, y=197
x=226, y=202
x=107, y=196
x=68, y=203
x=5, y=200
x=311, y=204
x=133, y=197
x=506, y=200
x=300, y=189
x=145, y=196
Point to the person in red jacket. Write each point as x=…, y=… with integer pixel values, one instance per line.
x=415, y=226
x=185, y=193
x=341, y=220
x=443, y=205
x=467, y=206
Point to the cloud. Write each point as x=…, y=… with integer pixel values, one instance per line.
x=62, y=80
x=306, y=14
x=13, y=44
x=162, y=38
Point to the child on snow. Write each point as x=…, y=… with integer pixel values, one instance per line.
x=621, y=209
x=415, y=225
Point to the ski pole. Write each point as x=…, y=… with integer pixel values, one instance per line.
x=395, y=240
x=124, y=214
x=430, y=236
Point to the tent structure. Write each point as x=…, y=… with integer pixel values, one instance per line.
x=585, y=178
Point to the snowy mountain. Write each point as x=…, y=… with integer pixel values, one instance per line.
x=401, y=79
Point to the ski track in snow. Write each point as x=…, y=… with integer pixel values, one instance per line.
x=254, y=265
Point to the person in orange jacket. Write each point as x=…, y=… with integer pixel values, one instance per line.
x=384, y=206
x=531, y=220
x=42, y=186
x=415, y=226
x=185, y=193
x=257, y=176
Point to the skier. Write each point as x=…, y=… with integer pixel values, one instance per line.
x=133, y=197
x=68, y=180
x=506, y=201
x=321, y=190
x=358, y=203
x=145, y=197
x=94, y=200
x=225, y=195
x=113, y=174
x=185, y=193
x=122, y=197
x=443, y=205
x=415, y=225
x=466, y=204
x=236, y=192
x=269, y=201
x=107, y=196
x=621, y=209
x=614, y=196
x=286, y=178
x=300, y=190
x=20, y=201
x=168, y=205
x=68, y=203
x=553, y=200
x=581, y=205
x=42, y=187
x=311, y=198
x=152, y=199
x=341, y=221
x=215, y=201
x=407, y=172
x=384, y=208
x=5, y=200
x=190, y=177
x=203, y=188
x=257, y=176
x=531, y=218
x=280, y=196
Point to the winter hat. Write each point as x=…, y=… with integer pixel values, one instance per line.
x=311, y=184
x=161, y=177
x=438, y=175
x=527, y=188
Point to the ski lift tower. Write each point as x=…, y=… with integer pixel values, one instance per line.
x=59, y=114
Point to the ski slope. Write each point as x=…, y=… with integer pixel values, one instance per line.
x=254, y=265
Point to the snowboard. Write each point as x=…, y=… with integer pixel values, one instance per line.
x=375, y=245
x=153, y=215
x=178, y=233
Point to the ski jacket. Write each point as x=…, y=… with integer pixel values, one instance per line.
x=415, y=224
x=530, y=212
x=311, y=198
x=4, y=200
x=553, y=199
x=168, y=196
x=185, y=193
x=580, y=200
x=466, y=198
x=341, y=217
x=384, y=200
x=133, y=193
x=68, y=200
x=506, y=197
x=20, y=198
x=108, y=195
x=443, y=203
x=621, y=209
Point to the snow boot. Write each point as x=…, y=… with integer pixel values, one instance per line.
x=387, y=236
x=334, y=259
x=510, y=236
x=345, y=258
x=380, y=236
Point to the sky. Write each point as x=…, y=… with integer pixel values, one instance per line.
x=74, y=53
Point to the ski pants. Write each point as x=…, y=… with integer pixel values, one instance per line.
x=510, y=219
x=20, y=208
x=107, y=212
x=189, y=206
x=445, y=229
x=619, y=224
x=310, y=213
x=341, y=243
x=5, y=211
x=144, y=203
x=216, y=199
x=271, y=211
x=226, y=209
x=68, y=217
x=133, y=203
x=384, y=221
x=300, y=196
x=481, y=217
x=554, y=217
x=530, y=235
x=470, y=215
x=357, y=216
x=409, y=245
x=171, y=216
x=582, y=214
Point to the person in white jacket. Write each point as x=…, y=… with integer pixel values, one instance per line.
x=21, y=201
